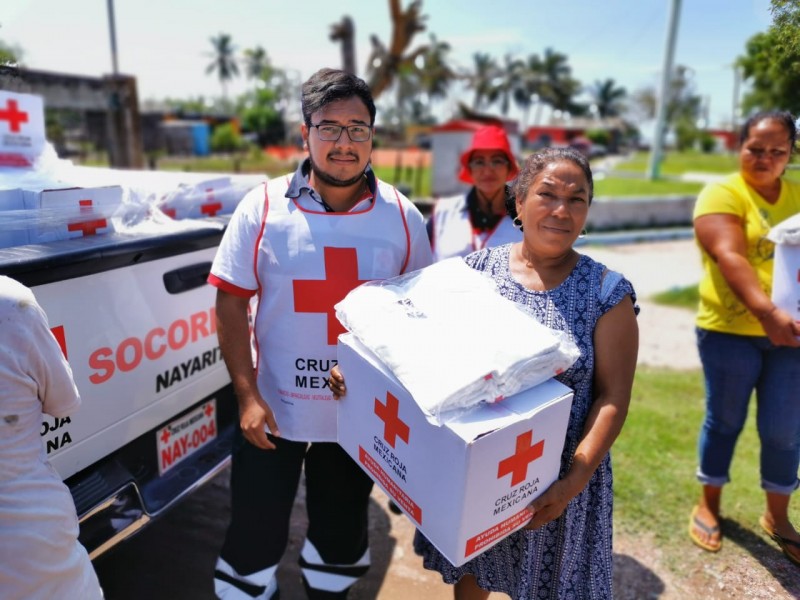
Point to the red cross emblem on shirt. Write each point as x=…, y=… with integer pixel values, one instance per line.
x=524, y=454
x=319, y=295
x=165, y=435
x=393, y=426
x=13, y=115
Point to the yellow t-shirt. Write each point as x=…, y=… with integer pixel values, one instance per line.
x=720, y=309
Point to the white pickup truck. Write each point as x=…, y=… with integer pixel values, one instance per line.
x=119, y=260
x=135, y=319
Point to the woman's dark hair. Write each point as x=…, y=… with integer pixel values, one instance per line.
x=783, y=117
x=329, y=85
x=535, y=164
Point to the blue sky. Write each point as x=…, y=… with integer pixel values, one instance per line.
x=165, y=43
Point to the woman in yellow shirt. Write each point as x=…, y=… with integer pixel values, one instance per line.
x=746, y=343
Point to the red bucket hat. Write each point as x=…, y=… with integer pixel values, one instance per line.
x=490, y=137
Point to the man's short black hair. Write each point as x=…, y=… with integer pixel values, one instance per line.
x=329, y=85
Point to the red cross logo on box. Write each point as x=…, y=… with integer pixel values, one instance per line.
x=393, y=426
x=13, y=115
x=91, y=226
x=320, y=295
x=525, y=454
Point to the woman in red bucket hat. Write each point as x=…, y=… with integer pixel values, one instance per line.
x=465, y=223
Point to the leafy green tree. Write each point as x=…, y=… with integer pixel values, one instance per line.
x=224, y=62
x=773, y=70
x=260, y=114
x=10, y=55
x=225, y=138
x=786, y=25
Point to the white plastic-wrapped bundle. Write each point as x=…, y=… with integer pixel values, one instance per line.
x=786, y=266
x=451, y=339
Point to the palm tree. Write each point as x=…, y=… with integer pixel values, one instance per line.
x=508, y=82
x=435, y=75
x=529, y=90
x=558, y=86
x=256, y=63
x=224, y=61
x=608, y=98
x=481, y=80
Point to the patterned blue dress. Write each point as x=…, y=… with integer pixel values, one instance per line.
x=569, y=558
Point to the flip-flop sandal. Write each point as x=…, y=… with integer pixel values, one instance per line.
x=694, y=524
x=783, y=542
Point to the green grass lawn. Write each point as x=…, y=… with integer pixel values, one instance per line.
x=631, y=186
x=686, y=297
x=676, y=163
x=655, y=458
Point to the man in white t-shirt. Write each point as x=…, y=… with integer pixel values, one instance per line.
x=297, y=245
x=40, y=556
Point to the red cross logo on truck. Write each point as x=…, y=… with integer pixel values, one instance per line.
x=393, y=426
x=517, y=464
x=13, y=115
x=61, y=338
x=320, y=295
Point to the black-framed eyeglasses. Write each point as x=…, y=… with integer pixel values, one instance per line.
x=331, y=133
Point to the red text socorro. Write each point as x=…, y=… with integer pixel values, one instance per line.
x=131, y=351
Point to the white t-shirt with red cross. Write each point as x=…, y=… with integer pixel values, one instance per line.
x=300, y=260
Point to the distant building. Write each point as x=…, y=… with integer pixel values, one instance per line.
x=726, y=140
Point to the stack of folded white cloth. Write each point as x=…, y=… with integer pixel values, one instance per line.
x=451, y=339
x=786, y=232
x=785, y=282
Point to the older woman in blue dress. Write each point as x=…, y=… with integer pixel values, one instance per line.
x=565, y=551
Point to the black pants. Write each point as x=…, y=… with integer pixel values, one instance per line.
x=263, y=488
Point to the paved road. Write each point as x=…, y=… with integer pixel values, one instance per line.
x=174, y=558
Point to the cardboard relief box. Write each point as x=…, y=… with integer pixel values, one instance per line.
x=464, y=484
x=68, y=213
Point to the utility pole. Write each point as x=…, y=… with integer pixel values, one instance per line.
x=663, y=96
x=122, y=116
x=112, y=30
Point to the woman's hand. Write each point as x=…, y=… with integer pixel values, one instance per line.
x=336, y=383
x=550, y=505
x=780, y=327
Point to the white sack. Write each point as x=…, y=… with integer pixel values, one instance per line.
x=451, y=339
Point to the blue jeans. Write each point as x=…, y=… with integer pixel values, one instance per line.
x=734, y=366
